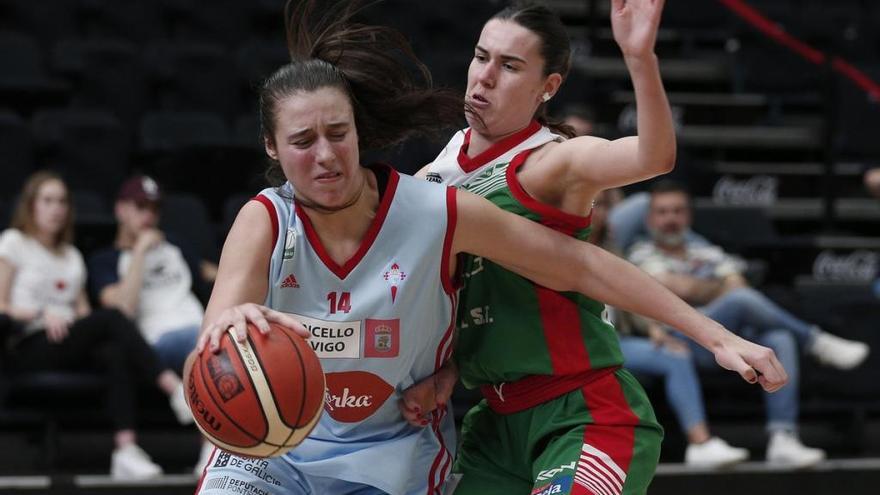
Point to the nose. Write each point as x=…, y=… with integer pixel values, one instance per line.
x=486, y=75
x=324, y=152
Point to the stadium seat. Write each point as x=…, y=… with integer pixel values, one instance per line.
x=16, y=148
x=185, y=217
x=89, y=148
x=24, y=82
x=193, y=77
x=108, y=73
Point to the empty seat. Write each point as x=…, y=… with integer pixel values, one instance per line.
x=138, y=20
x=23, y=80
x=185, y=217
x=166, y=132
x=90, y=149
x=735, y=227
x=109, y=75
x=16, y=150
x=193, y=77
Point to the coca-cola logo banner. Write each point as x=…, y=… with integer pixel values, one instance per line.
x=855, y=266
x=353, y=396
x=760, y=190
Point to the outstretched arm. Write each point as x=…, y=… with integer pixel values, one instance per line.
x=563, y=263
x=242, y=281
x=630, y=159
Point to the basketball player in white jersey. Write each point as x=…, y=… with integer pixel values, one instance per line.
x=362, y=261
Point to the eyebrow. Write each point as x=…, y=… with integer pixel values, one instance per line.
x=504, y=57
x=333, y=126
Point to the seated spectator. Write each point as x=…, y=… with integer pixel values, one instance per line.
x=52, y=327
x=649, y=350
x=706, y=276
x=872, y=181
x=150, y=279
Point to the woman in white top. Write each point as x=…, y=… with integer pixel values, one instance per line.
x=49, y=325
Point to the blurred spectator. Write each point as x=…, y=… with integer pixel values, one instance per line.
x=706, y=276
x=649, y=350
x=581, y=118
x=51, y=326
x=149, y=278
x=872, y=181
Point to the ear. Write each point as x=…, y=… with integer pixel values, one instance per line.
x=269, y=145
x=552, y=83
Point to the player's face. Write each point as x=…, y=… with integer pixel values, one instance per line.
x=670, y=215
x=51, y=207
x=505, y=78
x=316, y=143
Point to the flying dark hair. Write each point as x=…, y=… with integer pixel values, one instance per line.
x=555, y=48
x=390, y=89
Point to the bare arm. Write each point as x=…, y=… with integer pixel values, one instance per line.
x=7, y=275
x=125, y=294
x=82, y=308
x=652, y=152
x=563, y=263
x=242, y=280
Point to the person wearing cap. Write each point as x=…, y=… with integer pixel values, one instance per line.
x=149, y=278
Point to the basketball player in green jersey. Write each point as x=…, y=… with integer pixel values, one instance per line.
x=560, y=415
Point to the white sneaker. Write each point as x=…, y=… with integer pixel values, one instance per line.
x=204, y=458
x=839, y=353
x=181, y=409
x=785, y=449
x=132, y=463
x=713, y=454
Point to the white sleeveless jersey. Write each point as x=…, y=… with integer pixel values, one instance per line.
x=379, y=323
x=452, y=167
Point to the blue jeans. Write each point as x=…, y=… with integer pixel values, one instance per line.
x=679, y=377
x=753, y=316
x=174, y=346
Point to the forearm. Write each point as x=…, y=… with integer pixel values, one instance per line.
x=618, y=283
x=127, y=292
x=656, y=130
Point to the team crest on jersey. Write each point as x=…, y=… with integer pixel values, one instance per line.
x=394, y=276
x=289, y=244
x=383, y=338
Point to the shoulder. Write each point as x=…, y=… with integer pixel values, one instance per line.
x=12, y=244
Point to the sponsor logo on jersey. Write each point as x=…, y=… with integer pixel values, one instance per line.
x=222, y=458
x=223, y=375
x=354, y=396
x=290, y=282
x=333, y=339
x=382, y=338
x=548, y=474
x=434, y=177
x=394, y=276
x=289, y=244
x=561, y=485
x=216, y=483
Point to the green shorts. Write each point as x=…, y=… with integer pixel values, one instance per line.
x=601, y=439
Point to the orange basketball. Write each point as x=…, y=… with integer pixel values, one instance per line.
x=258, y=398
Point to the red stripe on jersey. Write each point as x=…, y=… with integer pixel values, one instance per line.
x=437, y=468
x=205, y=471
x=614, y=422
x=469, y=164
x=449, y=284
x=273, y=216
x=561, y=323
x=550, y=215
x=342, y=271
